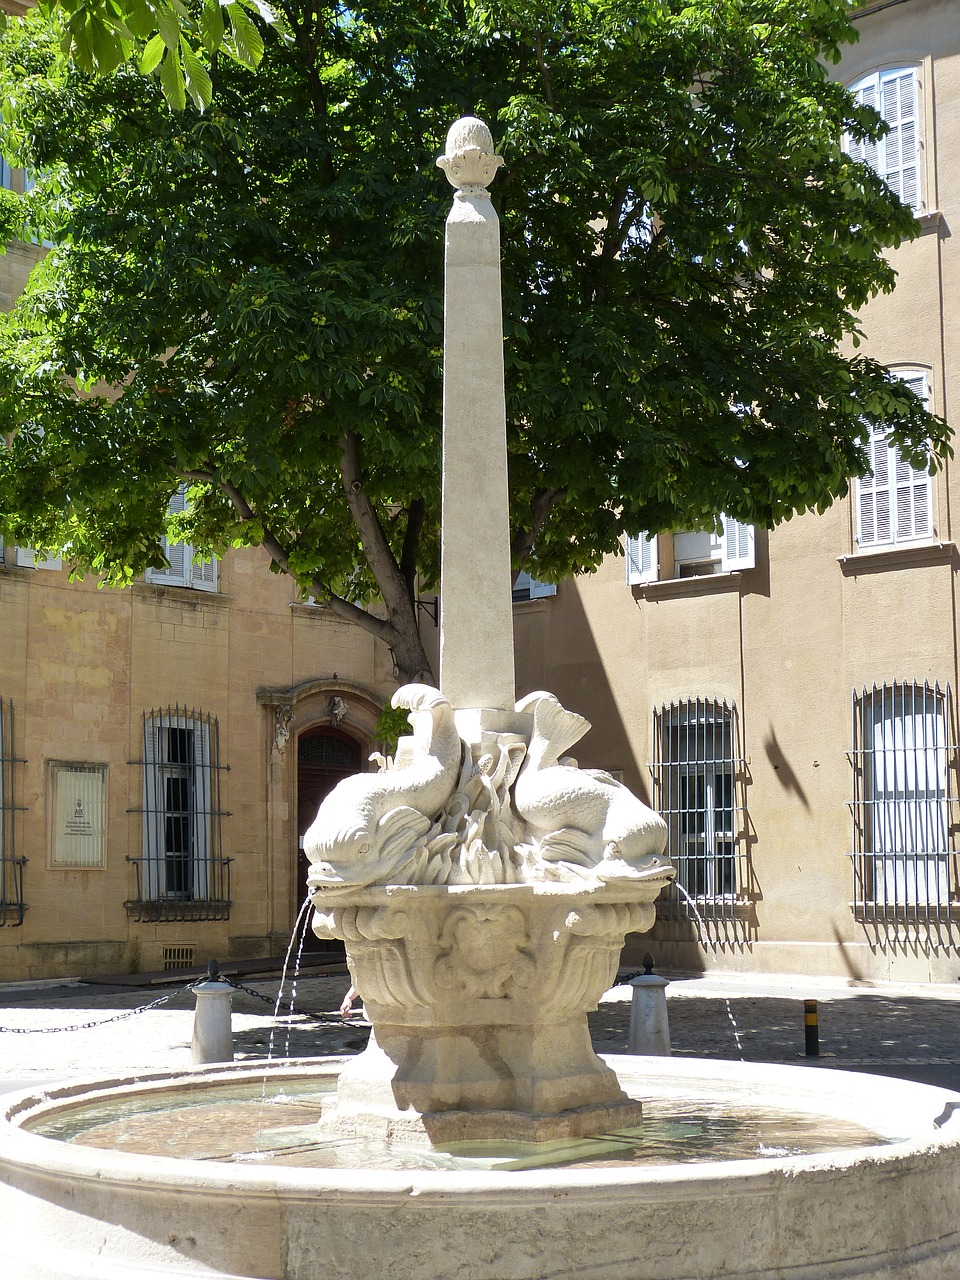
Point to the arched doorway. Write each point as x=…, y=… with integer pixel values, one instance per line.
x=324, y=756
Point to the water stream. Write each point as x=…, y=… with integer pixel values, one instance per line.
x=303, y=922
x=297, y=936
x=705, y=940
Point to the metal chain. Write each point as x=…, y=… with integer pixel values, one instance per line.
x=144, y=1008
x=99, y=1022
x=284, y=1004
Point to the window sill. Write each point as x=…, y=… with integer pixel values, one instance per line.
x=177, y=911
x=897, y=557
x=183, y=595
x=300, y=609
x=708, y=584
x=26, y=570
x=721, y=907
x=929, y=221
x=909, y=913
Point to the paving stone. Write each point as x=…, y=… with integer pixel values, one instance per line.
x=757, y=1020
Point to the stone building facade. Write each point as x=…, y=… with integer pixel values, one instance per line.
x=787, y=697
x=164, y=747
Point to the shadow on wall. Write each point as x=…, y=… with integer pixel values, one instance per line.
x=556, y=651
x=781, y=767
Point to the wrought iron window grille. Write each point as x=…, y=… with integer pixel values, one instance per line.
x=699, y=775
x=12, y=906
x=904, y=805
x=181, y=872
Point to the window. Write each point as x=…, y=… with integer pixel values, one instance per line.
x=895, y=501
x=11, y=866
x=185, y=569
x=697, y=774
x=527, y=588
x=641, y=554
x=182, y=873
x=896, y=158
x=27, y=559
x=695, y=553
x=902, y=800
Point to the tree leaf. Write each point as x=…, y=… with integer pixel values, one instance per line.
x=169, y=24
x=152, y=54
x=245, y=42
x=171, y=80
x=199, y=84
x=211, y=24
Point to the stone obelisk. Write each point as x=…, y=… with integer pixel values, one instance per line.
x=476, y=612
x=483, y=885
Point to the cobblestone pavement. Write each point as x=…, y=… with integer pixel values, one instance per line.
x=760, y=1019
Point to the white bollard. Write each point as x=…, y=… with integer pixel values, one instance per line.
x=212, y=1032
x=649, y=1033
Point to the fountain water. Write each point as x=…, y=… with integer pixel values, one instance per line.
x=483, y=885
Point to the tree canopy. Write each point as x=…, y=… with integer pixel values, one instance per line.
x=249, y=299
x=174, y=39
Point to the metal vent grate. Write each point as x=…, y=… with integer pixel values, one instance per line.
x=179, y=957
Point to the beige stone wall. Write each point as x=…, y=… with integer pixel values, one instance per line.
x=789, y=640
x=81, y=667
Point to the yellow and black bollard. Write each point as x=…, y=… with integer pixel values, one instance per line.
x=811, y=1029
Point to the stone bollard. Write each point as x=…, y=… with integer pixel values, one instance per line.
x=649, y=1033
x=212, y=1033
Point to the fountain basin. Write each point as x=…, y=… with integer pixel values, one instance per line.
x=871, y=1212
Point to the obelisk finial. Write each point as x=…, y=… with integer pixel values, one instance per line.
x=476, y=610
x=469, y=161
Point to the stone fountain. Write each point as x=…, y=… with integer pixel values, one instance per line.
x=483, y=885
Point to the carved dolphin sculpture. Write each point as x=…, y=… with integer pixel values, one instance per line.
x=371, y=822
x=581, y=817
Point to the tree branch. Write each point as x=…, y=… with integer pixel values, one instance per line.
x=524, y=539
x=544, y=71
x=407, y=645
x=342, y=608
x=411, y=544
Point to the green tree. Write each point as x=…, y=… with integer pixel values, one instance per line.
x=249, y=299
x=176, y=40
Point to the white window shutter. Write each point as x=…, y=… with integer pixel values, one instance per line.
x=186, y=569
x=914, y=495
x=901, y=167
x=173, y=576
x=203, y=573
x=895, y=501
x=202, y=808
x=642, y=558
x=153, y=808
x=527, y=588
x=865, y=152
x=178, y=554
x=896, y=157
x=873, y=494
x=27, y=559
x=738, y=547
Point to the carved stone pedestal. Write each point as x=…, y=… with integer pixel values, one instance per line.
x=479, y=996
